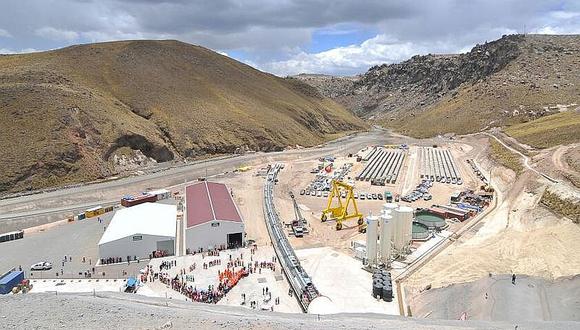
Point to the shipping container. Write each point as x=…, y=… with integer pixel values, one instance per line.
x=94, y=212
x=10, y=280
x=129, y=201
x=161, y=194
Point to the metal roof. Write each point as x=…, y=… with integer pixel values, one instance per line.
x=143, y=219
x=210, y=201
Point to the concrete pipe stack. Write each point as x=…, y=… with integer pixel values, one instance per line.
x=372, y=234
x=382, y=285
x=385, y=238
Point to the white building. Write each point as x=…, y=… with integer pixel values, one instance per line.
x=213, y=219
x=140, y=230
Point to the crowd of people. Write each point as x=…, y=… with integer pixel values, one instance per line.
x=183, y=280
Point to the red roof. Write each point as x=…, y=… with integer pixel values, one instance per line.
x=209, y=201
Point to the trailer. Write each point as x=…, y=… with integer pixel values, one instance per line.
x=94, y=212
x=9, y=280
x=160, y=193
x=13, y=235
x=128, y=201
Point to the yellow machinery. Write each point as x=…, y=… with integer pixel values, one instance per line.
x=340, y=212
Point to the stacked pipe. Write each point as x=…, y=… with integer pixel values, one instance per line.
x=438, y=165
x=383, y=165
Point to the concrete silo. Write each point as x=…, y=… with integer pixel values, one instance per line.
x=372, y=234
x=403, y=218
x=385, y=238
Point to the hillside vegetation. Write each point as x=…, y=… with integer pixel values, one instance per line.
x=549, y=131
x=505, y=157
x=563, y=206
x=513, y=80
x=65, y=113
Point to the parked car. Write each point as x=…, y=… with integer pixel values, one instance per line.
x=380, y=196
x=302, y=192
x=374, y=196
x=41, y=266
x=355, y=195
x=325, y=194
x=362, y=196
x=427, y=197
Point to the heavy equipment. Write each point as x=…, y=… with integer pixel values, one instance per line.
x=298, y=224
x=340, y=212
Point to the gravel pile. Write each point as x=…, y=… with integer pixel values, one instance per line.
x=124, y=311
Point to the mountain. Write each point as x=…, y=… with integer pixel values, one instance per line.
x=89, y=111
x=513, y=80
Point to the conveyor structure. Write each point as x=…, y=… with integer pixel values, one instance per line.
x=300, y=282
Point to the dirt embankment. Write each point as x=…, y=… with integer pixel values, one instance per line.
x=519, y=236
x=126, y=311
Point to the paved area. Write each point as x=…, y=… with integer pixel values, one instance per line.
x=495, y=298
x=252, y=285
x=341, y=278
x=77, y=285
x=76, y=239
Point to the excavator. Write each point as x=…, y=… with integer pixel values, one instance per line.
x=339, y=211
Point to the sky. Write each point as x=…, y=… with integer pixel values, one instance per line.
x=287, y=37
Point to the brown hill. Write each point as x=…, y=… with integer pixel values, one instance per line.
x=84, y=112
x=512, y=80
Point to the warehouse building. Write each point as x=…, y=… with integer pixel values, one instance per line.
x=213, y=219
x=140, y=231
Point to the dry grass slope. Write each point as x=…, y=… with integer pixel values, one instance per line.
x=562, y=206
x=64, y=113
x=505, y=157
x=549, y=131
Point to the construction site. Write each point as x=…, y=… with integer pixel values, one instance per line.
x=397, y=220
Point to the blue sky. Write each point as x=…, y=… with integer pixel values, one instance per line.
x=286, y=37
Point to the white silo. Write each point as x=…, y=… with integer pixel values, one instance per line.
x=389, y=207
x=404, y=219
x=397, y=230
x=385, y=238
x=372, y=234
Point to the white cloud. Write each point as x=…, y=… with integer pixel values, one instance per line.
x=355, y=58
x=51, y=33
x=7, y=51
x=5, y=34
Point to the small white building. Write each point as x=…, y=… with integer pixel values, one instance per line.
x=140, y=230
x=213, y=219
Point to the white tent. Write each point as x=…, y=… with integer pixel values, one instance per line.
x=139, y=230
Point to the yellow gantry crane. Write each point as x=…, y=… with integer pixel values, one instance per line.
x=340, y=212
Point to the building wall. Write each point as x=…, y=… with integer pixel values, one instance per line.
x=128, y=247
x=209, y=235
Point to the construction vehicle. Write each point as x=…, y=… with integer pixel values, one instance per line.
x=340, y=211
x=487, y=188
x=362, y=228
x=298, y=228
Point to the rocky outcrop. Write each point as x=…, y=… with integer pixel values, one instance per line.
x=511, y=80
